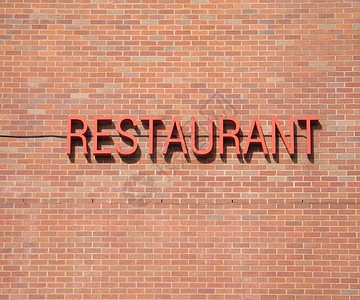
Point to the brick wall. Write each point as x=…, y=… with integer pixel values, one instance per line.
x=179, y=227
x=170, y=251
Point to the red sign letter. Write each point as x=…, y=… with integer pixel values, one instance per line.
x=100, y=134
x=308, y=131
x=276, y=125
x=232, y=135
x=179, y=140
x=260, y=140
x=127, y=135
x=193, y=138
x=151, y=131
x=76, y=134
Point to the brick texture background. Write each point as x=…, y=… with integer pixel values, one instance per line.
x=176, y=227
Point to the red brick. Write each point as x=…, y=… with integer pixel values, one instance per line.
x=231, y=227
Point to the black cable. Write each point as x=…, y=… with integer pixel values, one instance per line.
x=33, y=136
